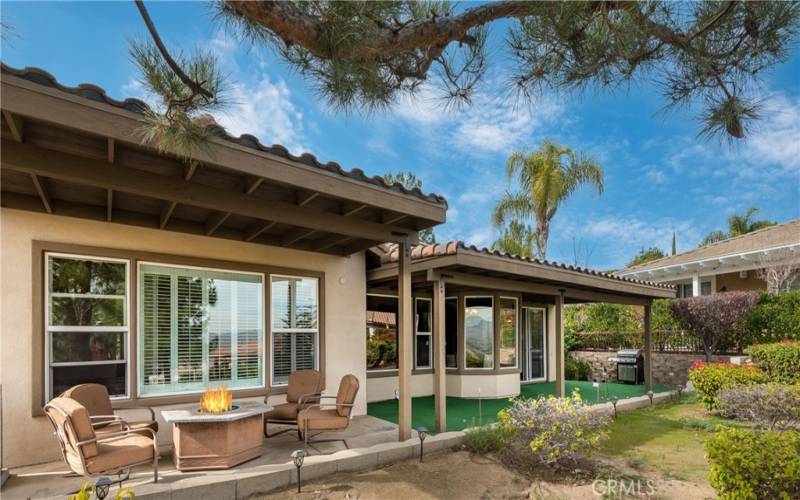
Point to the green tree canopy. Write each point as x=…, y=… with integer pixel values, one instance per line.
x=410, y=181
x=545, y=178
x=646, y=255
x=368, y=55
x=738, y=224
x=516, y=238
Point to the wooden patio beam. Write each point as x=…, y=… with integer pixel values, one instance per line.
x=392, y=218
x=252, y=183
x=257, y=229
x=295, y=235
x=15, y=124
x=405, y=340
x=306, y=197
x=648, y=347
x=559, y=346
x=101, y=174
x=166, y=212
x=44, y=195
x=331, y=241
x=440, y=370
x=109, y=204
x=214, y=221
x=349, y=208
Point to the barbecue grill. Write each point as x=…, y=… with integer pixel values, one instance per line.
x=630, y=366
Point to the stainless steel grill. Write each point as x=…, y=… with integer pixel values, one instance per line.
x=630, y=366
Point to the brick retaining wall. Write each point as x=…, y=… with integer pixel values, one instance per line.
x=669, y=368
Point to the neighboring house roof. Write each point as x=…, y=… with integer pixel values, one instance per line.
x=98, y=94
x=389, y=255
x=781, y=237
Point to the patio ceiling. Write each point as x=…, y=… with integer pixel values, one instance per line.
x=74, y=151
x=471, y=267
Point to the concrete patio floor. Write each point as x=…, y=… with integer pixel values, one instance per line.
x=47, y=480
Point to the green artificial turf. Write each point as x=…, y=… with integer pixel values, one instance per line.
x=463, y=412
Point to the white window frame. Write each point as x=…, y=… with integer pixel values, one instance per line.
x=545, y=350
x=140, y=326
x=516, y=333
x=272, y=330
x=418, y=334
x=387, y=370
x=48, y=329
x=494, y=333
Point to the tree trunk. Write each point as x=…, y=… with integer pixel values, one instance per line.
x=542, y=232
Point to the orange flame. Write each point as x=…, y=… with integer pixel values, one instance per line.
x=216, y=400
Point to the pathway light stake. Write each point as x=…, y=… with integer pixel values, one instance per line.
x=614, y=401
x=101, y=487
x=298, y=456
x=650, y=395
x=422, y=432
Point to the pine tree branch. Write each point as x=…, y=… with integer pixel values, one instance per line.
x=197, y=88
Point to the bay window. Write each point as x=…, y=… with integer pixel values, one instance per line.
x=199, y=327
x=295, y=326
x=87, y=323
x=479, y=332
x=508, y=332
x=423, y=329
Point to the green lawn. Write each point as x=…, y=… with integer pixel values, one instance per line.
x=463, y=412
x=666, y=438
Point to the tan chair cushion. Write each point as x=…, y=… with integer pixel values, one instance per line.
x=120, y=453
x=321, y=420
x=301, y=383
x=348, y=388
x=79, y=428
x=94, y=397
x=141, y=424
x=285, y=411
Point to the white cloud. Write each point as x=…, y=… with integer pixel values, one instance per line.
x=264, y=108
x=776, y=140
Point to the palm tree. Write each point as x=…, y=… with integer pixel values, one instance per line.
x=738, y=224
x=546, y=178
x=516, y=239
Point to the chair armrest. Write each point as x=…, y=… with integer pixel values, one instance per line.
x=307, y=398
x=150, y=410
x=108, y=420
x=111, y=436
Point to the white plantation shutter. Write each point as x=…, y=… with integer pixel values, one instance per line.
x=295, y=331
x=200, y=328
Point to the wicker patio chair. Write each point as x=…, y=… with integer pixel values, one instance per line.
x=90, y=454
x=95, y=398
x=329, y=417
x=305, y=386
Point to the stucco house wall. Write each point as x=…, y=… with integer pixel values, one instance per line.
x=29, y=439
x=734, y=282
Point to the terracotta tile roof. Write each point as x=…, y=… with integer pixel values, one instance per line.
x=423, y=252
x=98, y=94
x=769, y=237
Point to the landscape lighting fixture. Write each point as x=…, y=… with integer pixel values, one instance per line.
x=422, y=432
x=298, y=456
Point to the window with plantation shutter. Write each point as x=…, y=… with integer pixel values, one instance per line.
x=199, y=328
x=295, y=325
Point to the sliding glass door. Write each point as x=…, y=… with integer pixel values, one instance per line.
x=536, y=346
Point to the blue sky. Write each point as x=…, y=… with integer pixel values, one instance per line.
x=659, y=176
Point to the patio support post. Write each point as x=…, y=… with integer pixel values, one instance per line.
x=440, y=370
x=695, y=285
x=559, y=347
x=405, y=341
x=648, y=348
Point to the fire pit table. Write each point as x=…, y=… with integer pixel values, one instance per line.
x=217, y=440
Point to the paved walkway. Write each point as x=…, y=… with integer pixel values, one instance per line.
x=47, y=480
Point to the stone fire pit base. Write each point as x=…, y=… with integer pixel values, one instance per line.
x=204, y=441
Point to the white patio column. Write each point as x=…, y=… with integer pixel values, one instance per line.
x=696, y=285
x=559, y=347
x=648, y=348
x=440, y=368
x=405, y=341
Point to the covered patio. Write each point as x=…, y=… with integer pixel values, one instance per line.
x=494, y=288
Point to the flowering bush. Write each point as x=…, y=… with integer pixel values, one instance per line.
x=781, y=360
x=716, y=319
x=709, y=378
x=768, y=406
x=775, y=317
x=552, y=431
x=746, y=464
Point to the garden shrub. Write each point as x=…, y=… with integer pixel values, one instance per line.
x=709, y=378
x=576, y=369
x=780, y=360
x=717, y=320
x=485, y=439
x=776, y=316
x=747, y=464
x=768, y=406
x=552, y=431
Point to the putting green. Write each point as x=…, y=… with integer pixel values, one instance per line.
x=463, y=412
